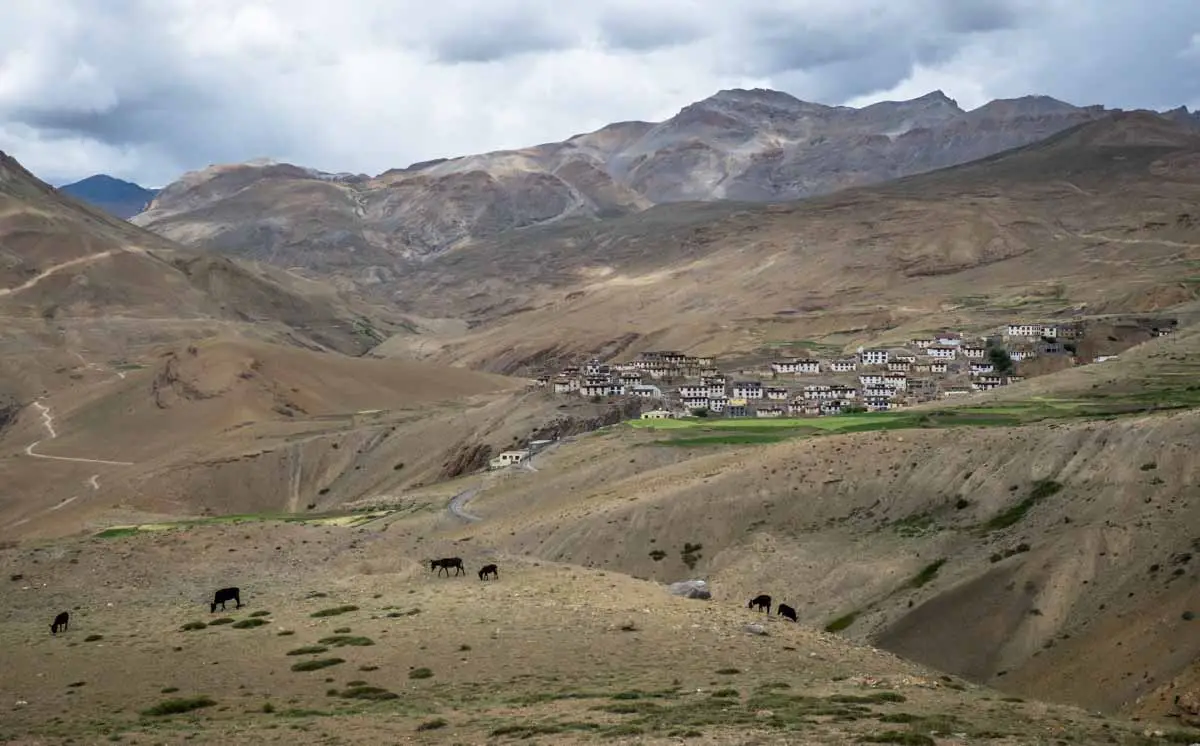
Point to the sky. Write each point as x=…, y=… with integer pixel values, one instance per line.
x=145, y=90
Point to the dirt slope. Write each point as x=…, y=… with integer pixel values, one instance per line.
x=547, y=653
x=234, y=426
x=1017, y=556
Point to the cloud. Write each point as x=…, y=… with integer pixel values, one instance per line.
x=146, y=89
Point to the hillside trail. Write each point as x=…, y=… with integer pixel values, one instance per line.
x=66, y=265
x=457, y=504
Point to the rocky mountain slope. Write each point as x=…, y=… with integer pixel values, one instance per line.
x=123, y=199
x=136, y=375
x=1100, y=218
x=742, y=145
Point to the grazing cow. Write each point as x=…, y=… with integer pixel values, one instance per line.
x=446, y=563
x=60, y=622
x=226, y=594
x=489, y=570
x=762, y=601
x=787, y=611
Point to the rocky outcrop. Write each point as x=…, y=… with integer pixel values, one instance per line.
x=571, y=425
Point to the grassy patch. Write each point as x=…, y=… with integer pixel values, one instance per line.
x=249, y=623
x=908, y=738
x=1042, y=489
x=261, y=613
x=342, y=641
x=420, y=673
x=220, y=621
x=842, y=622
x=308, y=650
x=178, y=706
x=316, y=664
x=433, y=724
x=93, y=638
x=193, y=626
x=373, y=693
x=928, y=573
x=335, y=611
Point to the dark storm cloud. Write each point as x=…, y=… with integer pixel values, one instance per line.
x=499, y=38
x=647, y=32
x=981, y=16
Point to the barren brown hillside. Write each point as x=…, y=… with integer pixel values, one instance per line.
x=357, y=642
x=79, y=288
x=1098, y=219
x=1052, y=559
x=233, y=426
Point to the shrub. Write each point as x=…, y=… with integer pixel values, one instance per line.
x=342, y=641
x=193, y=625
x=433, y=724
x=222, y=620
x=316, y=664
x=308, y=650
x=367, y=692
x=842, y=622
x=249, y=623
x=334, y=611
x=178, y=706
x=93, y=638
x=420, y=673
x=657, y=555
x=261, y=613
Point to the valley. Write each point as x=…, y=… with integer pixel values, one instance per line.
x=191, y=401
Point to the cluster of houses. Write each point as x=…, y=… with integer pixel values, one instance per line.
x=878, y=379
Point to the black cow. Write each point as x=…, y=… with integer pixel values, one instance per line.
x=787, y=611
x=60, y=622
x=226, y=594
x=446, y=563
x=489, y=570
x=762, y=601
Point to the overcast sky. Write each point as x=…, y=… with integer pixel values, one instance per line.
x=148, y=89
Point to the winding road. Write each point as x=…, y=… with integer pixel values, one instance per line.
x=458, y=501
x=48, y=423
x=65, y=265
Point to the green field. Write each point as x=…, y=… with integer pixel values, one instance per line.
x=701, y=431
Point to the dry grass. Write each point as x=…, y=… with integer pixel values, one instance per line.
x=688, y=669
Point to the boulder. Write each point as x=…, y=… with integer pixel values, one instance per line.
x=690, y=589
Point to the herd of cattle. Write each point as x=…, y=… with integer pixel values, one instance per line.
x=762, y=601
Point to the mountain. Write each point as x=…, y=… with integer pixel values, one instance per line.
x=743, y=145
x=139, y=376
x=1099, y=218
x=121, y=198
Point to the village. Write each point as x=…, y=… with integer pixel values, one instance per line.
x=941, y=366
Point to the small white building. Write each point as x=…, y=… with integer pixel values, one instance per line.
x=776, y=393
x=844, y=366
x=974, y=353
x=873, y=357
x=771, y=411
x=938, y=366
x=692, y=391
x=942, y=352
x=508, y=458
x=747, y=390
x=978, y=369
x=657, y=414
x=645, y=391
x=867, y=380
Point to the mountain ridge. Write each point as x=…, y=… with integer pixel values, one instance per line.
x=117, y=196
x=752, y=145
